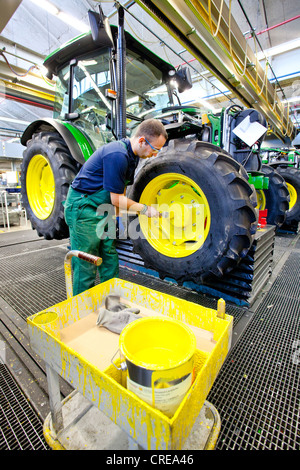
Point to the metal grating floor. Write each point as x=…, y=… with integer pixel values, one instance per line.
x=256, y=392
x=20, y=428
x=41, y=282
x=38, y=269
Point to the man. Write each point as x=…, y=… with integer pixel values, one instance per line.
x=102, y=180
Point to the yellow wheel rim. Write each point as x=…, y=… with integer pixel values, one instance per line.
x=40, y=187
x=261, y=200
x=186, y=221
x=293, y=195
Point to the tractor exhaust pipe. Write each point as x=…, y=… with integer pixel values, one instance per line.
x=121, y=76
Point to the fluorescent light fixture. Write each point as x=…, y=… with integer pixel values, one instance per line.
x=292, y=99
x=49, y=7
x=206, y=104
x=16, y=121
x=89, y=62
x=280, y=49
x=69, y=19
x=14, y=139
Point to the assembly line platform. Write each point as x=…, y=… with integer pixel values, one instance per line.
x=256, y=392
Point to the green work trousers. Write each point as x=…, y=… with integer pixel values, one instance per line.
x=92, y=230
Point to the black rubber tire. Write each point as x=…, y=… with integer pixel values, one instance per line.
x=292, y=176
x=64, y=168
x=232, y=203
x=277, y=197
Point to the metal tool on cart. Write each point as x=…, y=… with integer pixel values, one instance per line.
x=118, y=417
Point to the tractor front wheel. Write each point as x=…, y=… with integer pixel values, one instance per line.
x=208, y=215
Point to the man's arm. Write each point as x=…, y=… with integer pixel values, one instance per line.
x=123, y=202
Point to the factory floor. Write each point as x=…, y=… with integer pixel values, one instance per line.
x=256, y=392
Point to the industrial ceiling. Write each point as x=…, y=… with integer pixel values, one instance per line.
x=29, y=32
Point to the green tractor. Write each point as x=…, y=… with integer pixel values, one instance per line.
x=107, y=83
x=286, y=161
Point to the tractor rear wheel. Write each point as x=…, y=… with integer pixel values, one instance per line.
x=292, y=179
x=275, y=199
x=46, y=173
x=209, y=206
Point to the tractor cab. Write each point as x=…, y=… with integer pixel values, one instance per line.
x=88, y=86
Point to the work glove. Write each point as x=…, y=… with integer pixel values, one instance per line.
x=115, y=315
x=152, y=212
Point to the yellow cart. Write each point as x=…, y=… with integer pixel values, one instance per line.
x=66, y=337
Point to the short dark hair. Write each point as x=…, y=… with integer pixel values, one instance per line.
x=151, y=128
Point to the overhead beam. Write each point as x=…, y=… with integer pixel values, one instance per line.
x=29, y=88
x=224, y=52
x=26, y=95
x=32, y=55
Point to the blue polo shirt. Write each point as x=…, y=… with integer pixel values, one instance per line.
x=110, y=167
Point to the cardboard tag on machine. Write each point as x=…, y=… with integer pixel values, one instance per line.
x=249, y=132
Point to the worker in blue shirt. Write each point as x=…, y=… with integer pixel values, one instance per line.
x=101, y=183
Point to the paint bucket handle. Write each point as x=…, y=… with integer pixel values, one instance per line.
x=123, y=365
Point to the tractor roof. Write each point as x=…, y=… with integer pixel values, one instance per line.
x=84, y=44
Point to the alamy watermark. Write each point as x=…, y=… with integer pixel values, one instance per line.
x=177, y=223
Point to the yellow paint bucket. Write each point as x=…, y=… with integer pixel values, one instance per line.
x=49, y=321
x=159, y=354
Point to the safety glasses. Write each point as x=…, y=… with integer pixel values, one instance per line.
x=153, y=148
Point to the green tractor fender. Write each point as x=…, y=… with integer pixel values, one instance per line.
x=78, y=144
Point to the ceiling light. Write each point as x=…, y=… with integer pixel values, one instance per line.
x=69, y=19
x=291, y=100
x=17, y=121
x=14, y=139
x=49, y=7
x=89, y=62
x=280, y=49
x=77, y=24
x=202, y=102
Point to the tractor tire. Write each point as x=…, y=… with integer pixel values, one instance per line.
x=276, y=198
x=292, y=179
x=47, y=171
x=206, y=177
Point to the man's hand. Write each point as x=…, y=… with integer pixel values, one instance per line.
x=151, y=212
x=124, y=203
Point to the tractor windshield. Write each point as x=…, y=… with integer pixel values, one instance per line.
x=91, y=77
x=146, y=91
